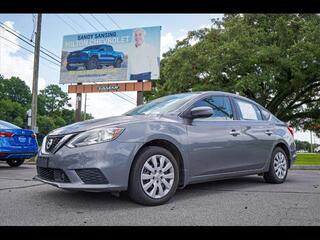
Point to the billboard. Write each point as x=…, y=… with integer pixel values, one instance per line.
x=122, y=55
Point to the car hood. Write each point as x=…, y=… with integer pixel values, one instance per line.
x=95, y=123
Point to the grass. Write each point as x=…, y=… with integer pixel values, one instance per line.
x=308, y=159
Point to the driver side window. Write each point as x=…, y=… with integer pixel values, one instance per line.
x=220, y=105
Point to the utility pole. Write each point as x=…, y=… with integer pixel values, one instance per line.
x=34, y=106
x=311, y=147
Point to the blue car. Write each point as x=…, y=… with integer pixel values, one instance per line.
x=16, y=144
x=94, y=57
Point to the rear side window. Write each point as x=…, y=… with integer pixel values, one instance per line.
x=248, y=111
x=109, y=49
x=265, y=114
x=220, y=105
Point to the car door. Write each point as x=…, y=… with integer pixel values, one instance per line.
x=257, y=134
x=214, y=142
x=110, y=54
x=103, y=54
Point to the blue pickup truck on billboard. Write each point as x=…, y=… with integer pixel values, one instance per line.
x=120, y=55
x=94, y=57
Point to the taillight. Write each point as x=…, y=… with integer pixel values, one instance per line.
x=6, y=134
x=291, y=131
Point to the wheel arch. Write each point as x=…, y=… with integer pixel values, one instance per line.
x=172, y=148
x=285, y=148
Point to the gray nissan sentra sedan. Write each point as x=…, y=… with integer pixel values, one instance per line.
x=168, y=143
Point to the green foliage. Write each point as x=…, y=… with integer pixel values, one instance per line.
x=53, y=104
x=15, y=89
x=305, y=146
x=53, y=99
x=12, y=112
x=273, y=59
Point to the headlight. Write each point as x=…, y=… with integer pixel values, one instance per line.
x=98, y=135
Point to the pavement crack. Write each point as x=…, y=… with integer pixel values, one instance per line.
x=18, y=179
x=11, y=188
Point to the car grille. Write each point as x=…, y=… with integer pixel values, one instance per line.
x=52, y=174
x=52, y=142
x=91, y=176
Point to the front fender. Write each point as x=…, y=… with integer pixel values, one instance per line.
x=173, y=132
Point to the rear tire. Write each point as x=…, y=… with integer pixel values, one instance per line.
x=278, y=169
x=164, y=178
x=118, y=63
x=15, y=162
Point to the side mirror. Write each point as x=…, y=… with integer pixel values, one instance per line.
x=201, y=112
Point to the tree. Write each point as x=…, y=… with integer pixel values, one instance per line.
x=273, y=59
x=12, y=112
x=16, y=90
x=52, y=99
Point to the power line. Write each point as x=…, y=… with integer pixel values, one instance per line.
x=119, y=28
x=75, y=22
x=66, y=23
x=114, y=22
x=123, y=98
x=18, y=36
x=98, y=21
x=88, y=22
x=26, y=49
x=26, y=55
x=26, y=38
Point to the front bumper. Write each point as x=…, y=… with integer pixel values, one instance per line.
x=112, y=159
x=83, y=187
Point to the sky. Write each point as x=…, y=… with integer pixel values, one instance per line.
x=15, y=61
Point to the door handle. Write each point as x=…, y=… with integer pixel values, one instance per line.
x=234, y=133
x=268, y=132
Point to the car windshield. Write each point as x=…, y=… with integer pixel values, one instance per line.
x=6, y=125
x=162, y=105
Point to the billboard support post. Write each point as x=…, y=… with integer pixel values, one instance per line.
x=78, y=106
x=139, y=96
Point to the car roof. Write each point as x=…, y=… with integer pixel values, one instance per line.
x=8, y=125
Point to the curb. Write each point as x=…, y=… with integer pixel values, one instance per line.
x=305, y=167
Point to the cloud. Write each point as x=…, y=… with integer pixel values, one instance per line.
x=102, y=105
x=167, y=41
x=14, y=61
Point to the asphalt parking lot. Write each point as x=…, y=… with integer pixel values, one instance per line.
x=241, y=201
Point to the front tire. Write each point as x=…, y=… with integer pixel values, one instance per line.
x=15, y=162
x=92, y=63
x=154, y=177
x=278, y=169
